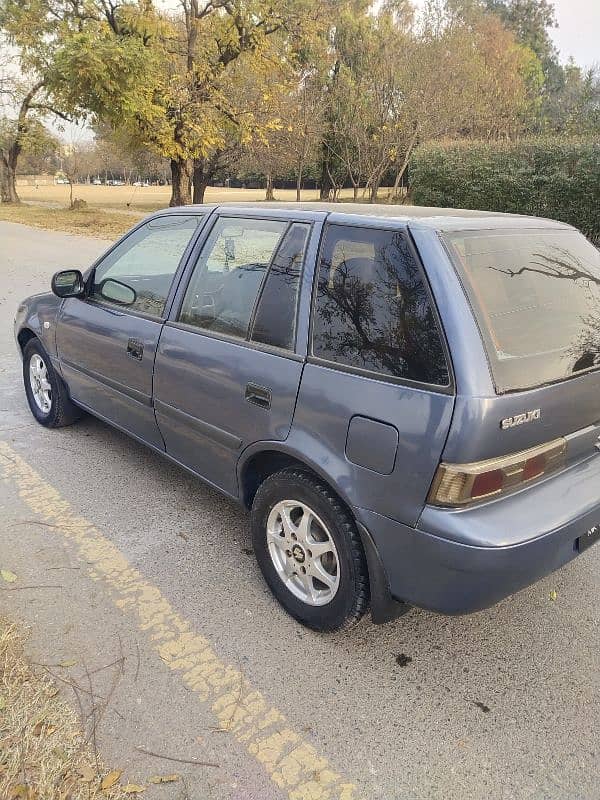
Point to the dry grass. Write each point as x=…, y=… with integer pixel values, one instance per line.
x=88, y=222
x=152, y=198
x=43, y=755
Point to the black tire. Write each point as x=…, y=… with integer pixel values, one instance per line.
x=351, y=599
x=62, y=411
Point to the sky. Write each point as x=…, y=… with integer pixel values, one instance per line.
x=578, y=34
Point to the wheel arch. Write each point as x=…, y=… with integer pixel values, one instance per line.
x=24, y=336
x=262, y=461
x=259, y=463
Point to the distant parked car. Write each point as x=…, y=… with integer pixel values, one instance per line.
x=407, y=400
x=96, y=182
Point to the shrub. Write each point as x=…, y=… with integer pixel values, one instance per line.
x=545, y=177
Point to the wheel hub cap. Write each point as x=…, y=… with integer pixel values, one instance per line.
x=303, y=552
x=299, y=554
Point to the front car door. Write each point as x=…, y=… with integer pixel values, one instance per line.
x=227, y=371
x=107, y=342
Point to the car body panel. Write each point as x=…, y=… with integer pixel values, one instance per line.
x=328, y=401
x=92, y=344
x=201, y=407
x=39, y=314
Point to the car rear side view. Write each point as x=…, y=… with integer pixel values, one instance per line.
x=406, y=400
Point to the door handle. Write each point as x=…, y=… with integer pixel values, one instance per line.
x=259, y=395
x=135, y=349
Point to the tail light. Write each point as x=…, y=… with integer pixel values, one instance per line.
x=459, y=484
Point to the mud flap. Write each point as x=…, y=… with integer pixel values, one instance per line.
x=384, y=608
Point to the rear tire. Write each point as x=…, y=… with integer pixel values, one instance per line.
x=309, y=551
x=46, y=392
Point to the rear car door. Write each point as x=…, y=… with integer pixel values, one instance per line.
x=227, y=372
x=107, y=341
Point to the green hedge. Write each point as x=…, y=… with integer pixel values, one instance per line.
x=544, y=177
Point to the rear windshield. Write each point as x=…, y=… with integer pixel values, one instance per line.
x=536, y=294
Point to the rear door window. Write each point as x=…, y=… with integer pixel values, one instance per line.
x=373, y=311
x=536, y=295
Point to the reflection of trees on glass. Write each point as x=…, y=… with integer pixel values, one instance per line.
x=557, y=262
x=562, y=264
x=585, y=350
x=375, y=313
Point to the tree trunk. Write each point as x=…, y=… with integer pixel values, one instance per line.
x=8, y=178
x=374, y=190
x=325, y=184
x=181, y=177
x=299, y=185
x=269, y=187
x=201, y=179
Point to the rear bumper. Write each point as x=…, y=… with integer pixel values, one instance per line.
x=442, y=574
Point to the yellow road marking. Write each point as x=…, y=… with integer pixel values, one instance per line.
x=290, y=762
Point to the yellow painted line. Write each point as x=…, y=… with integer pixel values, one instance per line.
x=289, y=761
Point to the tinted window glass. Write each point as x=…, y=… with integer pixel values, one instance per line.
x=373, y=309
x=146, y=262
x=536, y=294
x=228, y=276
x=275, y=320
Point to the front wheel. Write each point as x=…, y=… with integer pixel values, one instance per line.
x=309, y=551
x=46, y=393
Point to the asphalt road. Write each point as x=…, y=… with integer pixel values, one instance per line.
x=143, y=577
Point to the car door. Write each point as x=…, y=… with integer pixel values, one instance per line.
x=227, y=373
x=107, y=341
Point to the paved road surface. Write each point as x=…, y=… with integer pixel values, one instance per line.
x=133, y=561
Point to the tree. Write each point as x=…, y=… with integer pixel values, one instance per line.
x=13, y=133
x=164, y=79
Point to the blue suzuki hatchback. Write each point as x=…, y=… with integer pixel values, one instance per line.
x=407, y=400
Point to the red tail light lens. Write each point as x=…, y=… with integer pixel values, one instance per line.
x=459, y=484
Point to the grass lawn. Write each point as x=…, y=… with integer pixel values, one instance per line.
x=112, y=210
x=152, y=198
x=88, y=222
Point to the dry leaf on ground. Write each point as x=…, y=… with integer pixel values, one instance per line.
x=110, y=779
x=164, y=778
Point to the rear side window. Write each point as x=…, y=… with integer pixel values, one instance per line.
x=536, y=294
x=372, y=308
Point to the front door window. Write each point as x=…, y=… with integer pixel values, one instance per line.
x=138, y=273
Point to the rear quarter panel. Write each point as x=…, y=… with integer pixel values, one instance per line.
x=327, y=403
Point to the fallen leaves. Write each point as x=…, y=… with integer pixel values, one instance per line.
x=553, y=595
x=109, y=780
x=133, y=788
x=43, y=727
x=70, y=662
x=164, y=778
x=8, y=576
x=87, y=773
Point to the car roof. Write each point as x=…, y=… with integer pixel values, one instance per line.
x=441, y=219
